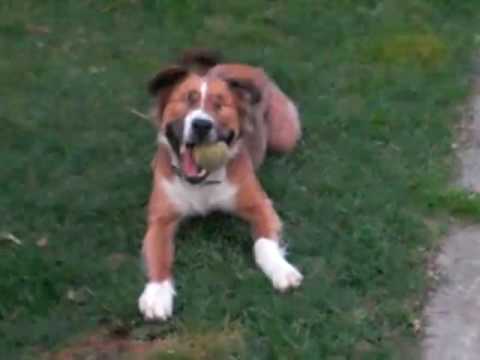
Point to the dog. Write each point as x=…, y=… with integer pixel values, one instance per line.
x=202, y=100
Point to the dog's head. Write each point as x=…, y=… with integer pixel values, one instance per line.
x=193, y=108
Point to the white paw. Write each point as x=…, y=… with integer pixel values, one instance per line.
x=156, y=302
x=286, y=276
x=270, y=258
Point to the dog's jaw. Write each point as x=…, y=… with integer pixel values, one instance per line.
x=156, y=302
x=270, y=258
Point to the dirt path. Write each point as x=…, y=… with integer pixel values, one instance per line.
x=453, y=313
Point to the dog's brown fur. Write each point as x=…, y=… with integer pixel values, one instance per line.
x=244, y=100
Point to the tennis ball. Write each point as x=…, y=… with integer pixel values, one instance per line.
x=211, y=156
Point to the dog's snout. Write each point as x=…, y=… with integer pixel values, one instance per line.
x=201, y=126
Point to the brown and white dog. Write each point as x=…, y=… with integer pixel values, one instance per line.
x=201, y=101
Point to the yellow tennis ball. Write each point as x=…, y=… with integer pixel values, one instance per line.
x=211, y=156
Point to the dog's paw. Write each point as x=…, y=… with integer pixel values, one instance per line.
x=285, y=276
x=270, y=258
x=156, y=302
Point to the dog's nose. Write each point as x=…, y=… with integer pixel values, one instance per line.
x=201, y=126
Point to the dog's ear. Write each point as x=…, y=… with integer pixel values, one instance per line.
x=165, y=79
x=200, y=60
x=248, y=95
x=161, y=86
x=245, y=90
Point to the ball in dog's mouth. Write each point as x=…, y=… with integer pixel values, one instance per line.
x=197, y=161
x=211, y=156
x=189, y=166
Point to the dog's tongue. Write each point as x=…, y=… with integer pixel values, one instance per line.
x=188, y=164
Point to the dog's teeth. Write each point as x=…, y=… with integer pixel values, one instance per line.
x=202, y=173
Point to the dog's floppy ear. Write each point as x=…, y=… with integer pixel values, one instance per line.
x=245, y=90
x=165, y=79
x=248, y=95
x=200, y=60
x=161, y=86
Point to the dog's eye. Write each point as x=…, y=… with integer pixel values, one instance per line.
x=217, y=106
x=192, y=97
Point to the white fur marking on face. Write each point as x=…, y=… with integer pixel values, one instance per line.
x=197, y=113
x=271, y=259
x=203, y=93
x=201, y=199
x=156, y=301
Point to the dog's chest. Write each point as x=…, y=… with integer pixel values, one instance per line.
x=202, y=198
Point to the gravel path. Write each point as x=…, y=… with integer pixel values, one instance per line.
x=453, y=313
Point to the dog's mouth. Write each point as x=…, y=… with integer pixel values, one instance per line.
x=193, y=172
x=183, y=147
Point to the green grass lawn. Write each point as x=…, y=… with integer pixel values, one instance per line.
x=377, y=83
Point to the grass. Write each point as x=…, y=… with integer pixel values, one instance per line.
x=459, y=202
x=377, y=83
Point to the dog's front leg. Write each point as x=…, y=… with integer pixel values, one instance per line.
x=156, y=302
x=255, y=207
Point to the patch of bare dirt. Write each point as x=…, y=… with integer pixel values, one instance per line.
x=146, y=342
